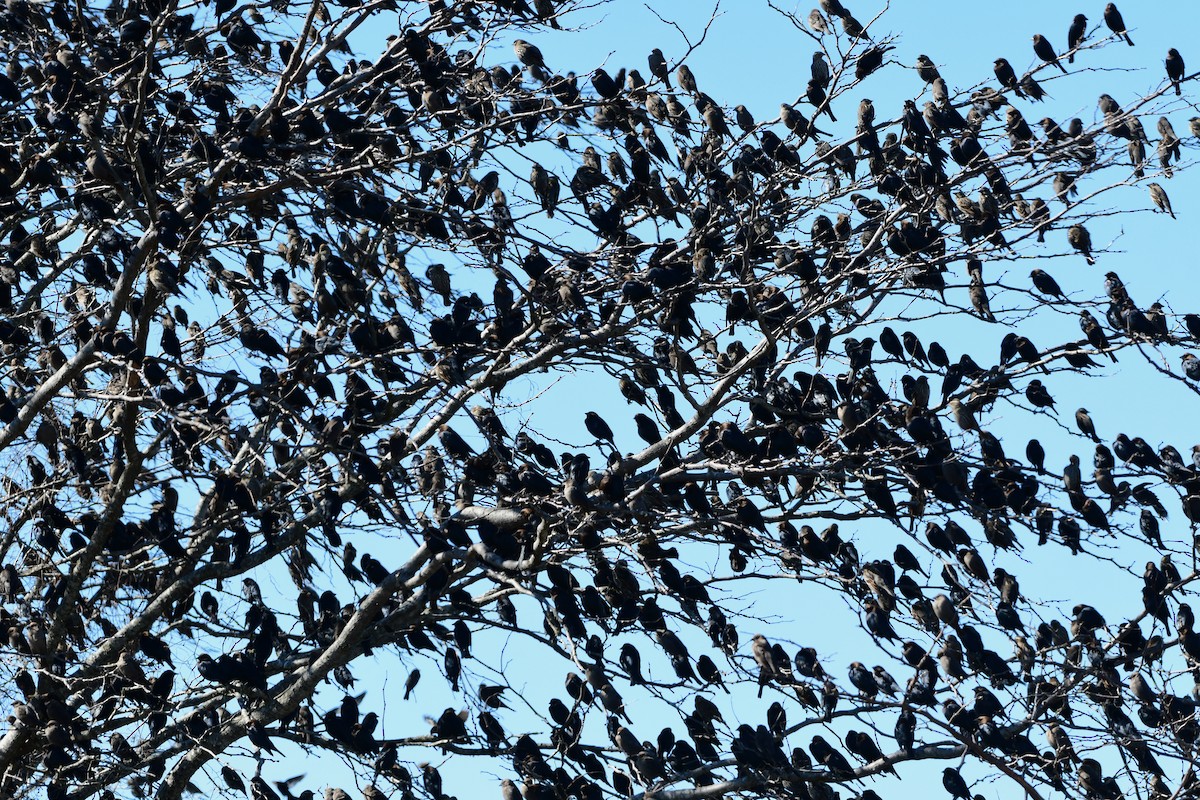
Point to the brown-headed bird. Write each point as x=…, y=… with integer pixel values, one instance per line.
x=863, y=746
x=658, y=67
x=863, y=680
x=1045, y=283
x=1112, y=18
x=1037, y=394
x=1094, y=333
x=1006, y=75
x=1075, y=35
x=1045, y=51
x=1083, y=420
x=1191, y=366
x=1175, y=69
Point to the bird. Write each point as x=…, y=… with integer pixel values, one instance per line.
x=1038, y=396
x=1075, y=35
x=905, y=559
x=1095, y=334
x=658, y=67
x=743, y=118
x=1045, y=283
x=1191, y=366
x=1045, y=51
x=863, y=680
x=863, y=746
x=1175, y=69
x=963, y=415
x=1115, y=23
x=820, y=70
x=887, y=684
x=1158, y=195
x=1083, y=420
x=598, y=428
x=1079, y=238
x=1007, y=76
x=528, y=54
x=824, y=753
x=952, y=782
x=926, y=69
x=760, y=648
x=1072, y=477
x=686, y=80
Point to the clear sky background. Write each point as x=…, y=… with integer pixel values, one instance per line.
x=753, y=56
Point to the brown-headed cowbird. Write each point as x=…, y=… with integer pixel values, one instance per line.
x=658, y=67
x=1112, y=18
x=1075, y=35
x=1175, y=69
x=1006, y=75
x=1084, y=421
x=1045, y=51
x=820, y=70
x=1045, y=283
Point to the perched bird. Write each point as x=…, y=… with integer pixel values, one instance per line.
x=1083, y=420
x=686, y=80
x=863, y=680
x=1191, y=366
x=963, y=415
x=1045, y=51
x=952, y=782
x=1158, y=195
x=1075, y=35
x=1079, y=238
x=1038, y=396
x=1112, y=18
x=820, y=70
x=1095, y=334
x=926, y=69
x=1175, y=69
x=658, y=67
x=529, y=55
x=1006, y=75
x=1045, y=283
x=768, y=670
x=598, y=428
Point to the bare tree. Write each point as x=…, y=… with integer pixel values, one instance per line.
x=272, y=318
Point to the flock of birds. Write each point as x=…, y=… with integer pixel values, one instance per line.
x=237, y=271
